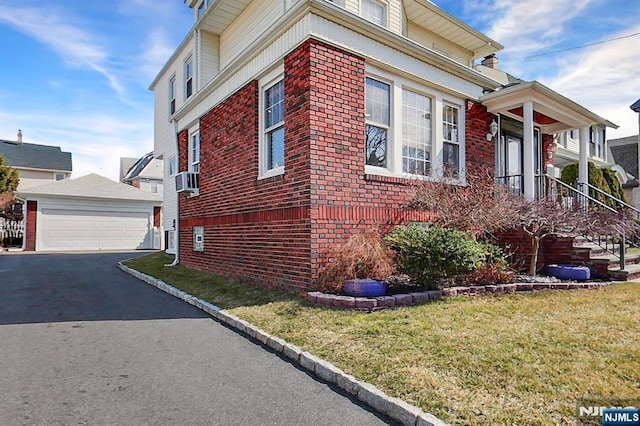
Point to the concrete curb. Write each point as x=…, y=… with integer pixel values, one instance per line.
x=397, y=409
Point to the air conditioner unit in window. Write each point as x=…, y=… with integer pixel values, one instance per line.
x=187, y=182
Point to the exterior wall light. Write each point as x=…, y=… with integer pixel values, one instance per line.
x=493, y=130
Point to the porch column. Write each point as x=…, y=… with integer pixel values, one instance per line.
x=528, y=154
x=583, y=164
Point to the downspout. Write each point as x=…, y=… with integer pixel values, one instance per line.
x=176, y=237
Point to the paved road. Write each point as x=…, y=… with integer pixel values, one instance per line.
x=82, y=343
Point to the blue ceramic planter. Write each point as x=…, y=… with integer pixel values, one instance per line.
x=569, y=272
x=365, y=287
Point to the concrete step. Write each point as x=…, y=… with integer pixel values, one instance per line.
x=614, y=261
x=630, y=272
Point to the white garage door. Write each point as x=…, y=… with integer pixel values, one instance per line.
x=61, y=229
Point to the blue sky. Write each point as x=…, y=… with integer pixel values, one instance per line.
x=75, y=73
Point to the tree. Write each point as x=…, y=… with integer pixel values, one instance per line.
x=484, y=207
x=8, y=183
x=480, y=206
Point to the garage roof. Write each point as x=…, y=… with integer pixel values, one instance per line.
x=90, y=186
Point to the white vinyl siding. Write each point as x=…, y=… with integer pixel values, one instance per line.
x=209, y=63
x=257, y=18
x=33, y=178
x=432, y=41
x=332, y=33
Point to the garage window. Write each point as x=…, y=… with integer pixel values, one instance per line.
x=198, y=238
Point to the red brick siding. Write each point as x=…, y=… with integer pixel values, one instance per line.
x=32, y=212
x=255, y=230
x=553, y=249
x=343, y=199
x=156, y=216
x=547, y=160
x=480, y=153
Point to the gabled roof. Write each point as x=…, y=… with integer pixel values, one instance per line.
x=625, y=153
x=32, y=156
x=90, y=186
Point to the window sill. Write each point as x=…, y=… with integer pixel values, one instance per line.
x=272, y=173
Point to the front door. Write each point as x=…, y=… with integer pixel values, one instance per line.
x=510, y=159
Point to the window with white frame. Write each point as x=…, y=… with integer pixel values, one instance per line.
x=172, y=95
x=188, y=77
x=451, y=140
x=173, y=166
x=272, y=144
x=194, y=152
x=416, y=133
x=602, y=139
x=411, y=129
x=374, y=11
x=378, y=112
x=202, y=7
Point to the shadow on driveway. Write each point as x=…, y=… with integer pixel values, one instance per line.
x=42, y=288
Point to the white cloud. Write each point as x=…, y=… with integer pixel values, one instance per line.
x=156, y=52
x=75, y=45
x=528, y=25
x=604, y=78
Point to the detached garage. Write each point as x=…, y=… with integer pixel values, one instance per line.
x=91, y=213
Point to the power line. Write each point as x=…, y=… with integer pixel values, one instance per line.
x=583, y=46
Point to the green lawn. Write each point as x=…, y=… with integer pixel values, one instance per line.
x=489, y=360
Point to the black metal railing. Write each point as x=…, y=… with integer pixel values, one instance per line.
x=515, y=183
x=614, y=242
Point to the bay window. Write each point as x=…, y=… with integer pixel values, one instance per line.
x=411, y=129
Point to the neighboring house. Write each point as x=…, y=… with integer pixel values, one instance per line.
x=36, y=164
x=305, y=120
x=625, y=153
x=91, y=213
x=145, y=173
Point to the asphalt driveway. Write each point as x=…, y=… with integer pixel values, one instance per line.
x=82, y=343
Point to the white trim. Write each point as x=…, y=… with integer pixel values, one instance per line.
x=189, y=63
x=385, y=11
x=194, y=133
x=268, y=80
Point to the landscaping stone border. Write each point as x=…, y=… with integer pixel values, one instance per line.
x=397, y=409
x=372, y=304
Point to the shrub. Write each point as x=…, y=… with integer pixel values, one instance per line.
x=362, y=256
x=488, y=274
x=603, y=179
x=431, y=254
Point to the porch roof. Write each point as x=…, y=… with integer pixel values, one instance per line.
x=552, y=112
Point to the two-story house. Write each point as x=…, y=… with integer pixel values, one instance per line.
x=305, y=121
x=36, y=164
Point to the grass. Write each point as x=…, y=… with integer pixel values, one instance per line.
x=490, y=360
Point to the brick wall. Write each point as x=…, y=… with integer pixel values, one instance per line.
x=553, y=249
x=255, y=230
x=30, y=237
x=480, y=153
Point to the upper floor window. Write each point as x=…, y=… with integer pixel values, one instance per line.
x=59, y=176
x=172, y=95
x=173, y=166
x=374, y=11
x=272, y=116
x=194, y=152
x=188, y=77
x=378, y=103
x=202, y=7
